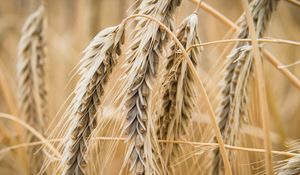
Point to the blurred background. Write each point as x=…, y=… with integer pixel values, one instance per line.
x=73, y=23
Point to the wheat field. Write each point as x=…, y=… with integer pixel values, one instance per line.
x=150, y=87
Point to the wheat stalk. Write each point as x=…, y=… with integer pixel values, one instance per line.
x=178, y=90
x=143, y=58
x=100, y=57
x=232, y=110
x=31, y=79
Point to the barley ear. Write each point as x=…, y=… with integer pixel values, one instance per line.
x=232, y=111
x=143, y=58
x=100, y=57
x=31, y=80
x=178, y=91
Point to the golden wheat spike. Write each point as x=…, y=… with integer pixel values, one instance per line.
x=143, y=58
x=31, y=79
x=178, y=91
x=232, y=109
x=100, y=57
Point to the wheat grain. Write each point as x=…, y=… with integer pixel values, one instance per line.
x=143, y=57
x=100, y=57
x=31, y=77
x=232, y=110
x=178, y=90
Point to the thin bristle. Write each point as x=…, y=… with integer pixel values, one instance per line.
x=143, y=57
x=289, y=166
x=99, y=59
x=232, y=109
x=292, y=167
x=178, y=91
x=31, y=76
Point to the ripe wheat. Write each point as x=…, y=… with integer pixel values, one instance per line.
x=178, y=91
x=165, y=132
x=31, y=80
x=143, y=58
x=232, y=109
x=100, y=57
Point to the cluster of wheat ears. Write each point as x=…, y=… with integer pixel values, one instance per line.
x=151, y=110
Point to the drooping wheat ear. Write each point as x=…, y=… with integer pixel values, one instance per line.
x=31, y=80
x=143, y=58
x=100, y=57
x=232, y=110
x=178, y=90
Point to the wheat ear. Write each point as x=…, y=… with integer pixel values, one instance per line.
x=31, y=79
x=232, y=110
x=143, y=58
x=100, y=57
x=178, y=90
